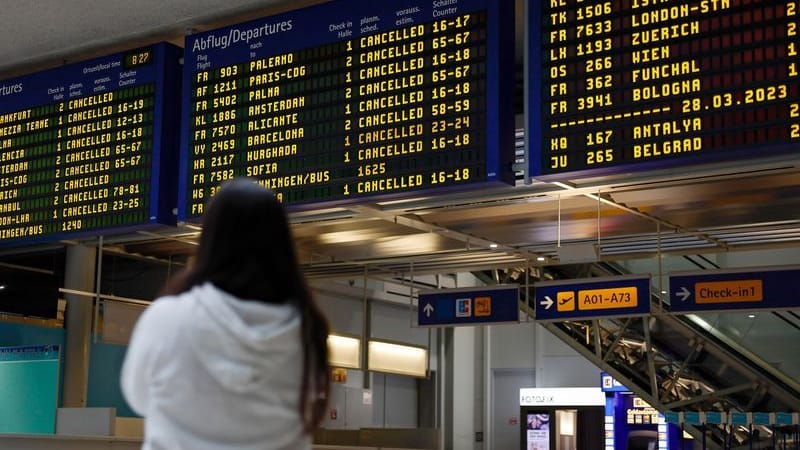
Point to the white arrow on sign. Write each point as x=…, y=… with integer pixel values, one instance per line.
x=547, y=302
x=428, y=309
x=683, y=293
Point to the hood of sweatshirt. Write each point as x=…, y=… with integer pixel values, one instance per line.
x=242, y=343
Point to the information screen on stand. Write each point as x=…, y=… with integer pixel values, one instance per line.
x=662, y=83
x=351, y=98
x=82, y=146
x=537, y=431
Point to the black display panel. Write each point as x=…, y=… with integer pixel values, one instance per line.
x=28, y=293
x=90, y=148
x=351, y=98
x=643, y=84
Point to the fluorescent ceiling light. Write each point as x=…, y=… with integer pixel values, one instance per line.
x=344, y=351
x=399, y=359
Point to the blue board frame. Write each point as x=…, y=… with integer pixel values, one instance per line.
x=777, y=285
x=779, y=149
x=547, y=292
x=108, y=74
x=461, y=306
x=314, y=26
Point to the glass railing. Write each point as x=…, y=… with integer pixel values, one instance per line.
x=765, y=338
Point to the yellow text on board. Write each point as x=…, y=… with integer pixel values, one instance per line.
x=613, y=298
x=729, y=291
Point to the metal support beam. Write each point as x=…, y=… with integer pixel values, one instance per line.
x=651, y=366
x=760, y=391
x=366, y=332
x=709, y=396
x=696, y=350
x=620, y=333
x=598, y=348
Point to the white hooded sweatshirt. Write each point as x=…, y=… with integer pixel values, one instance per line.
x=210, y=371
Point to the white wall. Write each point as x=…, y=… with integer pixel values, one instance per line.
x=344, y=313
x=513, y=346
x=394, y=401
x=558, y=365
x=394, y=323
x=351, y=411
x=394, y=396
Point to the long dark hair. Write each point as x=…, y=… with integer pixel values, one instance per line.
x=246, y=249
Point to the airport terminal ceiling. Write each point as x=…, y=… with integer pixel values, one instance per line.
x=712, y=208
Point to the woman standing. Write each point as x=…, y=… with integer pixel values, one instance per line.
x=235, y=355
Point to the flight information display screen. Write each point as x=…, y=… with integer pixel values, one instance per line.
x=351, y=98
x=661, y=83
x=82, y=147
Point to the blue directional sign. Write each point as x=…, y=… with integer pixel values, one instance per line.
x=741, y=419
x=609, y=384
x=673, y=417
x=692, y=418
x=762, y=418
x=768, y=288
x=469, y=306
x=592, y=298
x=715, y=417
x=783, y=418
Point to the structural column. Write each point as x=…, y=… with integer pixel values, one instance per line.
x=79, y=275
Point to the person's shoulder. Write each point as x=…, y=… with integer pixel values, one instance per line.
x=168, y=308
x=171, y=302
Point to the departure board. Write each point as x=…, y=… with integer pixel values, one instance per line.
x=82, y=146
x=351, y=98
x=661, y=83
